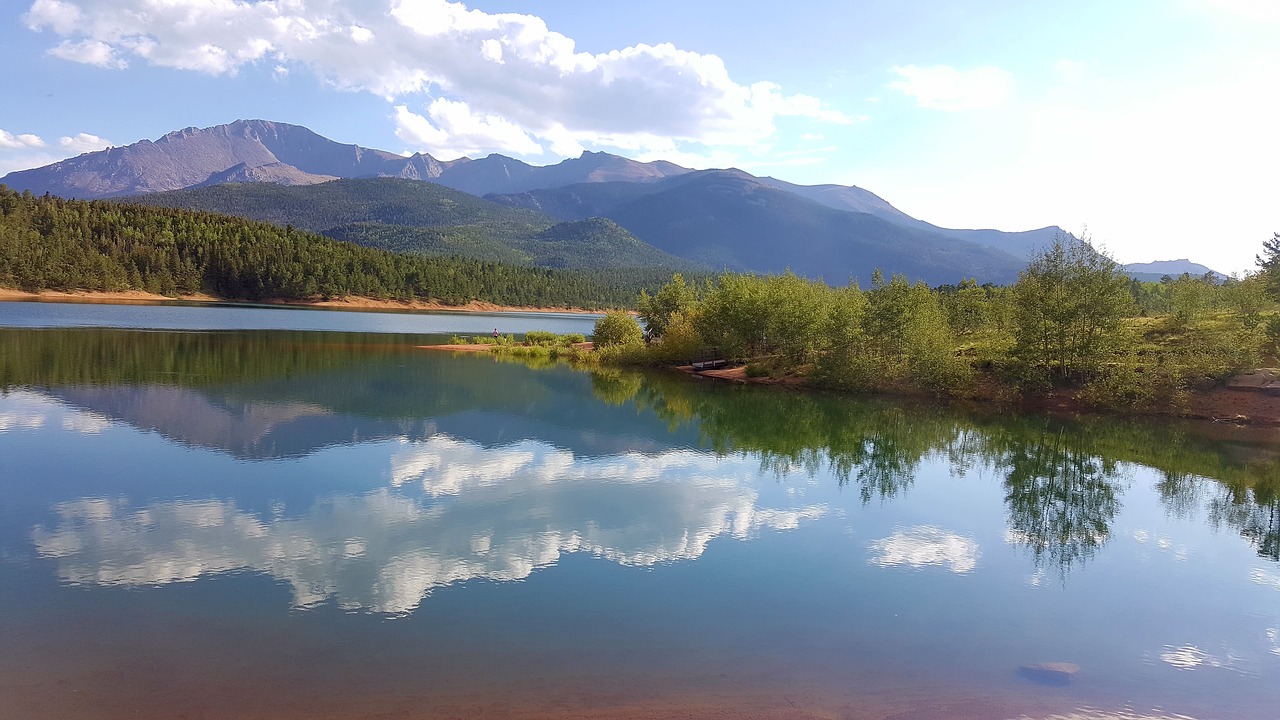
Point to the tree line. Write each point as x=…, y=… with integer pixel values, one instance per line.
x=52, y=243
x=1073, y=320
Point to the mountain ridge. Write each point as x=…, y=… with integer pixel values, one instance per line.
x=870, y=232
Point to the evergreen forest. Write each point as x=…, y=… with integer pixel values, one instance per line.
x=49, y=243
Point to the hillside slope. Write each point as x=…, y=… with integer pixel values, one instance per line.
x=426, y=218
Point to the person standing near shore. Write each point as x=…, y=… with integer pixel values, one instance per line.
x=495, y=333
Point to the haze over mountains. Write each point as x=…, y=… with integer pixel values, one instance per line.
x=660, y=213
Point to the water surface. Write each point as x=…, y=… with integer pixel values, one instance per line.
x=320, y=524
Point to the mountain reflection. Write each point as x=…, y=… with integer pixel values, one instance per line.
x=510, y=510
x=471, y=427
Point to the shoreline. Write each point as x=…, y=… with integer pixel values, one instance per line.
x=353, y=303
x=1249, y=399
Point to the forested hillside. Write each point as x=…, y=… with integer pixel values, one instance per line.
x=391, y=201
x=408, y=216
x=52, y=243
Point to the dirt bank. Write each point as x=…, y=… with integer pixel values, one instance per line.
x=138, y=297
x=1250, y=398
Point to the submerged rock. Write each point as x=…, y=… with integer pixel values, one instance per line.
x=1050, y=673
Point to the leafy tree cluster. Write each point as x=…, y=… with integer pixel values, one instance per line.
x=1071, y=321
x=52, y=243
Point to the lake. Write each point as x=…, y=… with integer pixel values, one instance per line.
x=293, y=519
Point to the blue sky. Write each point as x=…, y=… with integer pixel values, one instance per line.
x=1154, y=123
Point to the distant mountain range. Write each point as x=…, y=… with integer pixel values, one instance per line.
x=1154, y=271
x=656, y=214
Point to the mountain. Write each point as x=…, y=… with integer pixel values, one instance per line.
x=730, y=219
x=196, y=156
x=392, y=201
x=725, y=218
x=264, y=151
x=498, y=174
x=847, y=197
x=408, y=216
x=1154, y=271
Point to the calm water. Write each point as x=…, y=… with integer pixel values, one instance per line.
x=178, y=316
x=329, y=525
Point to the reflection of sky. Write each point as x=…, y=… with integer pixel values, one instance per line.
x=925, y=545
x=505, y=512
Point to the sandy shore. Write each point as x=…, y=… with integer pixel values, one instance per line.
x=138, y=297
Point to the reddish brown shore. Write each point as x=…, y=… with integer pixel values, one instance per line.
x=483, y=347
x=139, y=297
x=1250, y=398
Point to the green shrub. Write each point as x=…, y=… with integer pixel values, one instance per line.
x=540, y=337
x=617, y=328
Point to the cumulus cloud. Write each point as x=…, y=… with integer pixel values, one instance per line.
x=452, y=129
x=89, y=52
x=9, y=141
x=24, y=151
x=512, y=82
x=943, y=87
x=83, y=143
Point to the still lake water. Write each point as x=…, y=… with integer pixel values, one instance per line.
x=302, y=523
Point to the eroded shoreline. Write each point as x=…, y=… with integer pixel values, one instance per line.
x=139, y=297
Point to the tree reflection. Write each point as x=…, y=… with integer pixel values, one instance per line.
x=1061, y=500
x=1254, y=512
x=613, y=386
x=261, y=394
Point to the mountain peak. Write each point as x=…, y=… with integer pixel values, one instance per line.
x=234, y=151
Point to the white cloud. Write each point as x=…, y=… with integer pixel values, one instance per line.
x=26, y=151
x=925, y=545
x=943, y=87
x=9, y=141
x=454, y=130
x=89, y=52
x=61, y=17
x=515, y=83
x=83, y=143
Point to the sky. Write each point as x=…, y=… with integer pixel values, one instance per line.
x=1151, y=125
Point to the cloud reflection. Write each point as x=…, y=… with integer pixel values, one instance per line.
x=20, y=421
x=924, y=545
x=1190, y=657
x=491, y=513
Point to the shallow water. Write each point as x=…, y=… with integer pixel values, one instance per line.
x=312, y=524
